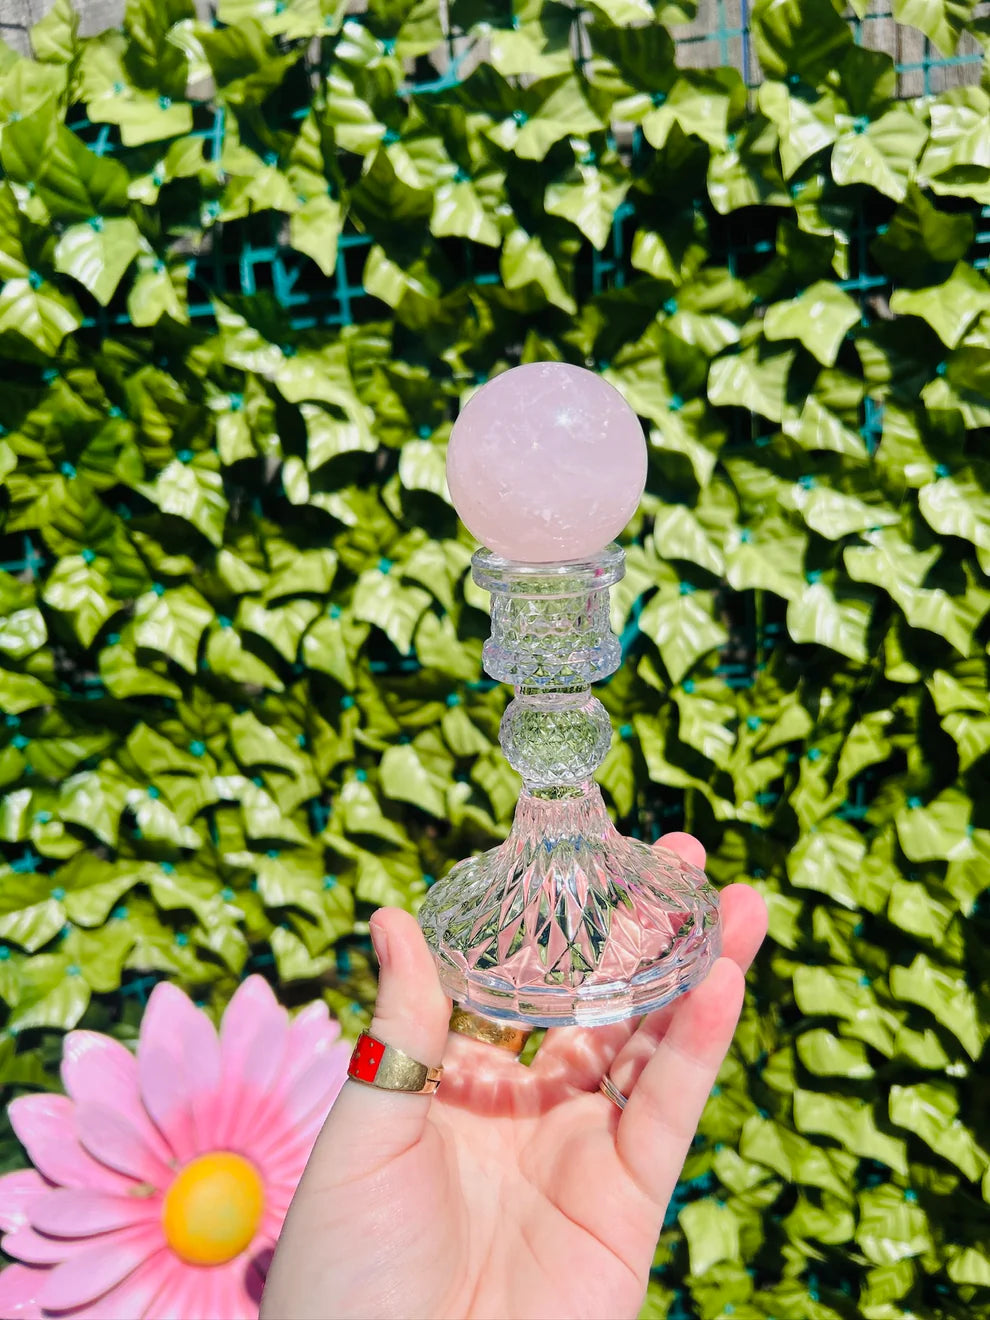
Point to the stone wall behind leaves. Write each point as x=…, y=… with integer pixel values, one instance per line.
x=250, y=270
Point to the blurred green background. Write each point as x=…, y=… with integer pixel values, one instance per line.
x=251, y=266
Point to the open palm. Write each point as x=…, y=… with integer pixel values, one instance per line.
x=515, y=1192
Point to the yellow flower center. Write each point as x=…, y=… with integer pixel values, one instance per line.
x=213, y=1208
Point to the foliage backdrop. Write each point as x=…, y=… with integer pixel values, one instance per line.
x=250, y=268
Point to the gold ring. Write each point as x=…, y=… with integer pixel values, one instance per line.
x=376, y=1064
x=502, y=1034
x=609, y=1088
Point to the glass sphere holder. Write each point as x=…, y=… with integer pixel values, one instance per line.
x=568, y=921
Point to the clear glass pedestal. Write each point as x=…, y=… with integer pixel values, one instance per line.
x=568, y=921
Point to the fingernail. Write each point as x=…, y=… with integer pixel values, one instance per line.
x=380, y=941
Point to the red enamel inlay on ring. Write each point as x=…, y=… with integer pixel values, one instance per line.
x=366, y=1058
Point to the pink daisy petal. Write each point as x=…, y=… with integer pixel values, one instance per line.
x=179, y=1067
x=253, y=1039
x=35, y=1248
x=298, y=1102
x=319, y=1086
x=95, y=1271
x=253, y=1036
x=277, y=1198
x=286, y=1129
x=111, y=1139
x=132, y=1298
x=312, y=1035
x=99, y=1070
x=242, y=1283
x=76, y=1212
x=18, y=1193
x=181, y=1294
x=19, y=1288
x=310, y=1030
x=45, y=1126
x=167, y=1098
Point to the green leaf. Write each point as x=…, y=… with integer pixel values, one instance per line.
x=819, y=317
x=942, y=21
x=281, y=626
x=125, y=677
x=380, y=598
x=712, y=1233
x=43, y=316
x=891, y=1227
x=100, y=954
x=20, y=692
x=29, y=915
x=795, y=37
x=361, y=813
x=829, y=1055
x=194, y=492
x=828, y=858
x=79, y=590
x=794, y=1157
x=769, y=555
x=96, y=256
x=920, y=236
x=850, y=1122
x=293, y=960
x=701, y=102
x=753, y=379
x=890, y=561
x=969, y=1265
x=819, y=429
x=526, y=261
x=458, y=211
x=747, y=173
x=955, y=159
x=538, y=49
x=158, y=291
x=589, y=195
x=805, y=126
x=680, y=535
x=22, y=632
x=946, y=996
x=246, y=62
x=959, y=505
x=851, y=504
x=295, y=20
x=407, y=777
x=939, y=831
x=314, y=230
x=52, y=993
x=74, y=183
x=256, y=744
x=54, y=37
x=839, y=622
x=949, y=308
x=883, y=154
x=94, y=886
x=94, y=802
x=682, y=629
x=562, y=111
x=172, y=624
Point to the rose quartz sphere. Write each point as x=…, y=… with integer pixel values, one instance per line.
x=546, y=462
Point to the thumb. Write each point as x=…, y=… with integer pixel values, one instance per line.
x=411, y=1014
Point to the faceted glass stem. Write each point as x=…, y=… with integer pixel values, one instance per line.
x=567, y=921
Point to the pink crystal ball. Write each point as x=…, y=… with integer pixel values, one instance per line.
x=547, y=462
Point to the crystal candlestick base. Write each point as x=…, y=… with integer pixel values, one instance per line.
x=567, y=921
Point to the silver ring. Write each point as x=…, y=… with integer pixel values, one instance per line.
x=609, y=1088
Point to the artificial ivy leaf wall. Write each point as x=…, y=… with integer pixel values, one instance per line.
x=251, y=267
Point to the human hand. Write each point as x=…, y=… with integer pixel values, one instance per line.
x=515, y=1192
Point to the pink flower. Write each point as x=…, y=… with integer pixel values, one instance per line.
x=163, y=1179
